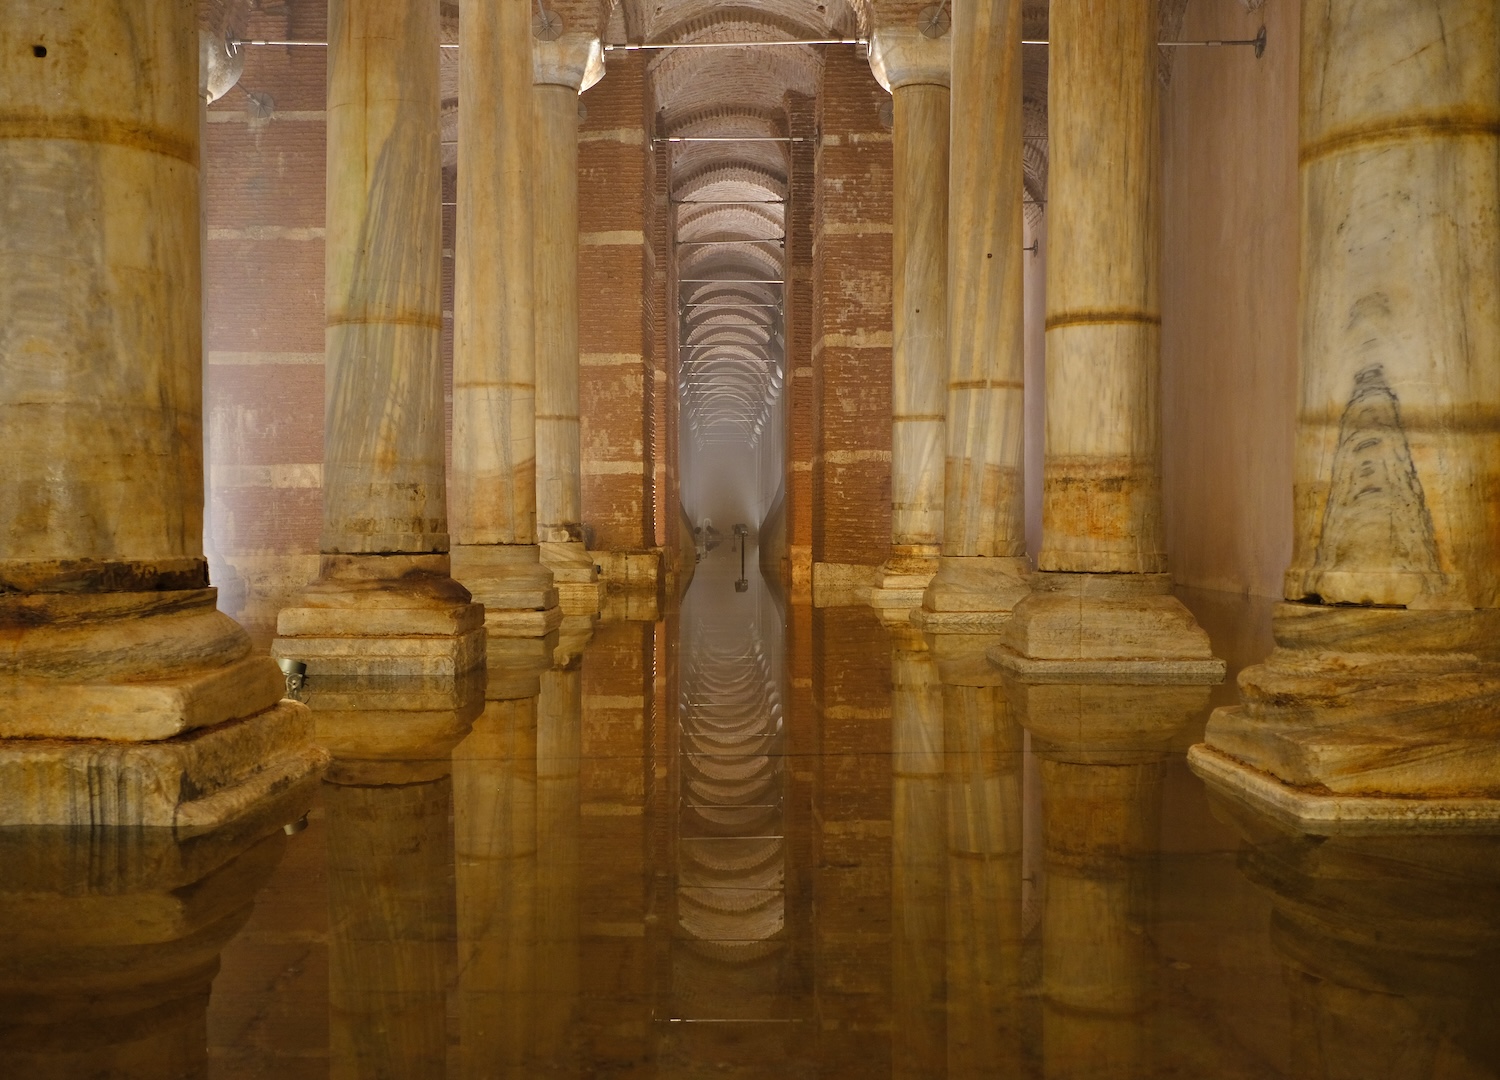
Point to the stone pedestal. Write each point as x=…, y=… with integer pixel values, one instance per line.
x=1378, y=704
x=1367, y=715
x=493, y=484
x=915, y=69
x=983, y=570
x=1101, y=500
x=1115, y=627
x=562, y=69
x=129, y=699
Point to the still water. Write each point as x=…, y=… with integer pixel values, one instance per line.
x=755, y=841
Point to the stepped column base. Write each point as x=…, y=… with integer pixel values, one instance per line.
x=580, y=590
x=518, y=593
x=1111, y=627
x=1366, y=716
x=972, y=595
x=900, y=583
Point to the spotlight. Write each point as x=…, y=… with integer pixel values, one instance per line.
x=296, y=675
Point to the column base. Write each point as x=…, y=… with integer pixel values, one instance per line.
x=580, y=591
x=1124, y=628
x=1320, y=813
x=192, y=783
x=1105, y=723
x=972, y=595
x=140, y=709
x=517, y=591
x=900, y=583
x=1367, y=714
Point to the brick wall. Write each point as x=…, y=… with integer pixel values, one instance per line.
x=264, y=318
x=617, y=320
x=802, y=123
x=851, y=348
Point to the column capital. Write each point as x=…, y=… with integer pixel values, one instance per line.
x=904, y=56
x=575, y=60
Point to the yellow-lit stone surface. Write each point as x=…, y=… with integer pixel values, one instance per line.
x=493, y=486
x=1379, y=702
x=983, y=570
x=128, y=699
x=915, y=69
x=561, y=69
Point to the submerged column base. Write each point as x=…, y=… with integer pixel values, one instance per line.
x=1124, y=627
x=580, y=591
x=518, y=593
x=1366, y=715
x=903, y=579
x=972, y=595
x=140, y=708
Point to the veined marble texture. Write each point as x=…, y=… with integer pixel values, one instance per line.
x=1398, y=444
x=1101, y=500
x=494, y=359
x=383, y=485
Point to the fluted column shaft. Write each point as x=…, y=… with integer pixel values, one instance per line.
x=383, y=486
x=1101, y=505
x=562, y=69
x=1397, y=463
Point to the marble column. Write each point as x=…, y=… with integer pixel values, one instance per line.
x=493, y=484
x=559, y=751
x=915, y=69
x=1385, y=672
x=983, y=571
x=110, y=646
x=384, y=603
x=1103, y=598
x=562, y=69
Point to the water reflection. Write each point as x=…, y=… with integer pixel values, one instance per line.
x=760, y=843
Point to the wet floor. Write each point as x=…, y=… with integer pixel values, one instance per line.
x=760, y=842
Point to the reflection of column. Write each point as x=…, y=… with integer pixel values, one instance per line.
x=919, y=870
x=495, y=842
x=494, y=362
x=110, y=627
x=390, y=935
x=1398, y=436
x=1106, y=596
x=383, y=603
x=558, y=749
x=915, y=69
x=981, y=575
x=1102, y=753
x=983, y=749
x=1387, y=945
x=1100, y=826
x=562, y=69
x=111, y=943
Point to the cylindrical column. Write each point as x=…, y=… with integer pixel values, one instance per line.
x=494, y=361
x=107, y=624
x=383, y=487
x=1101, y=505
x=99, y=297
x=984, y=522
x=559, y=749
x=915, y=69
x=1398, y=436
x=561, y=70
